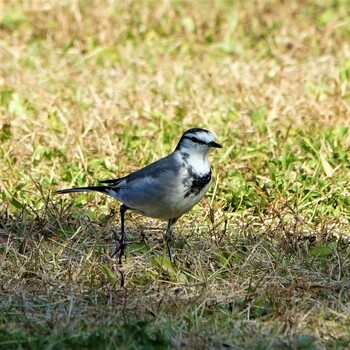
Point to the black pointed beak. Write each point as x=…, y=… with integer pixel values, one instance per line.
x=214, y=144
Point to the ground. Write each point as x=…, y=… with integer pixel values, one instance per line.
x=92, y=90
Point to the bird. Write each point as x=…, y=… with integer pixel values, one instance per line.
x=165, y=189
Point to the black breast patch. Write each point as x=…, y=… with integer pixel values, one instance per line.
x=198, y=183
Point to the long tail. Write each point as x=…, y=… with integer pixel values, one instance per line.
x=102, y=189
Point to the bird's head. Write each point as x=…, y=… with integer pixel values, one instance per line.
x=197, y=140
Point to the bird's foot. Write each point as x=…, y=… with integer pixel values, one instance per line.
x=120, y=246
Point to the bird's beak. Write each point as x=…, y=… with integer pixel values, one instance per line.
x=214, y=144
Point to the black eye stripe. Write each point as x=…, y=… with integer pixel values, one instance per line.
x=195, y=140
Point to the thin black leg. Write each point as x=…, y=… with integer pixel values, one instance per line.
x=121, y=248
x=168, y=236
x=120, y=242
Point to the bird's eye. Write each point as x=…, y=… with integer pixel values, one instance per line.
x=194, y=139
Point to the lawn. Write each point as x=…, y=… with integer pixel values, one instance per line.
x=92, y=90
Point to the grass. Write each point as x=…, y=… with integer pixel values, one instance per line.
x=92, y=90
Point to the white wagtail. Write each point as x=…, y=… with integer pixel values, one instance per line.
x=165, y=189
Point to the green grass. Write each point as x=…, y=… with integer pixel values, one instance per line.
x=92, y=90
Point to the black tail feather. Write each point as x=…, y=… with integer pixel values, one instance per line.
x=83, y=189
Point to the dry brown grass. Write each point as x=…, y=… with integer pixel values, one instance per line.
x=95, y=89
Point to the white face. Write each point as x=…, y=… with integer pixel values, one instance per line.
x=198, y=139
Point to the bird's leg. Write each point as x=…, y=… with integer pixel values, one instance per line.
x=120, y=243
x=123, y=209
x=168, y=236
